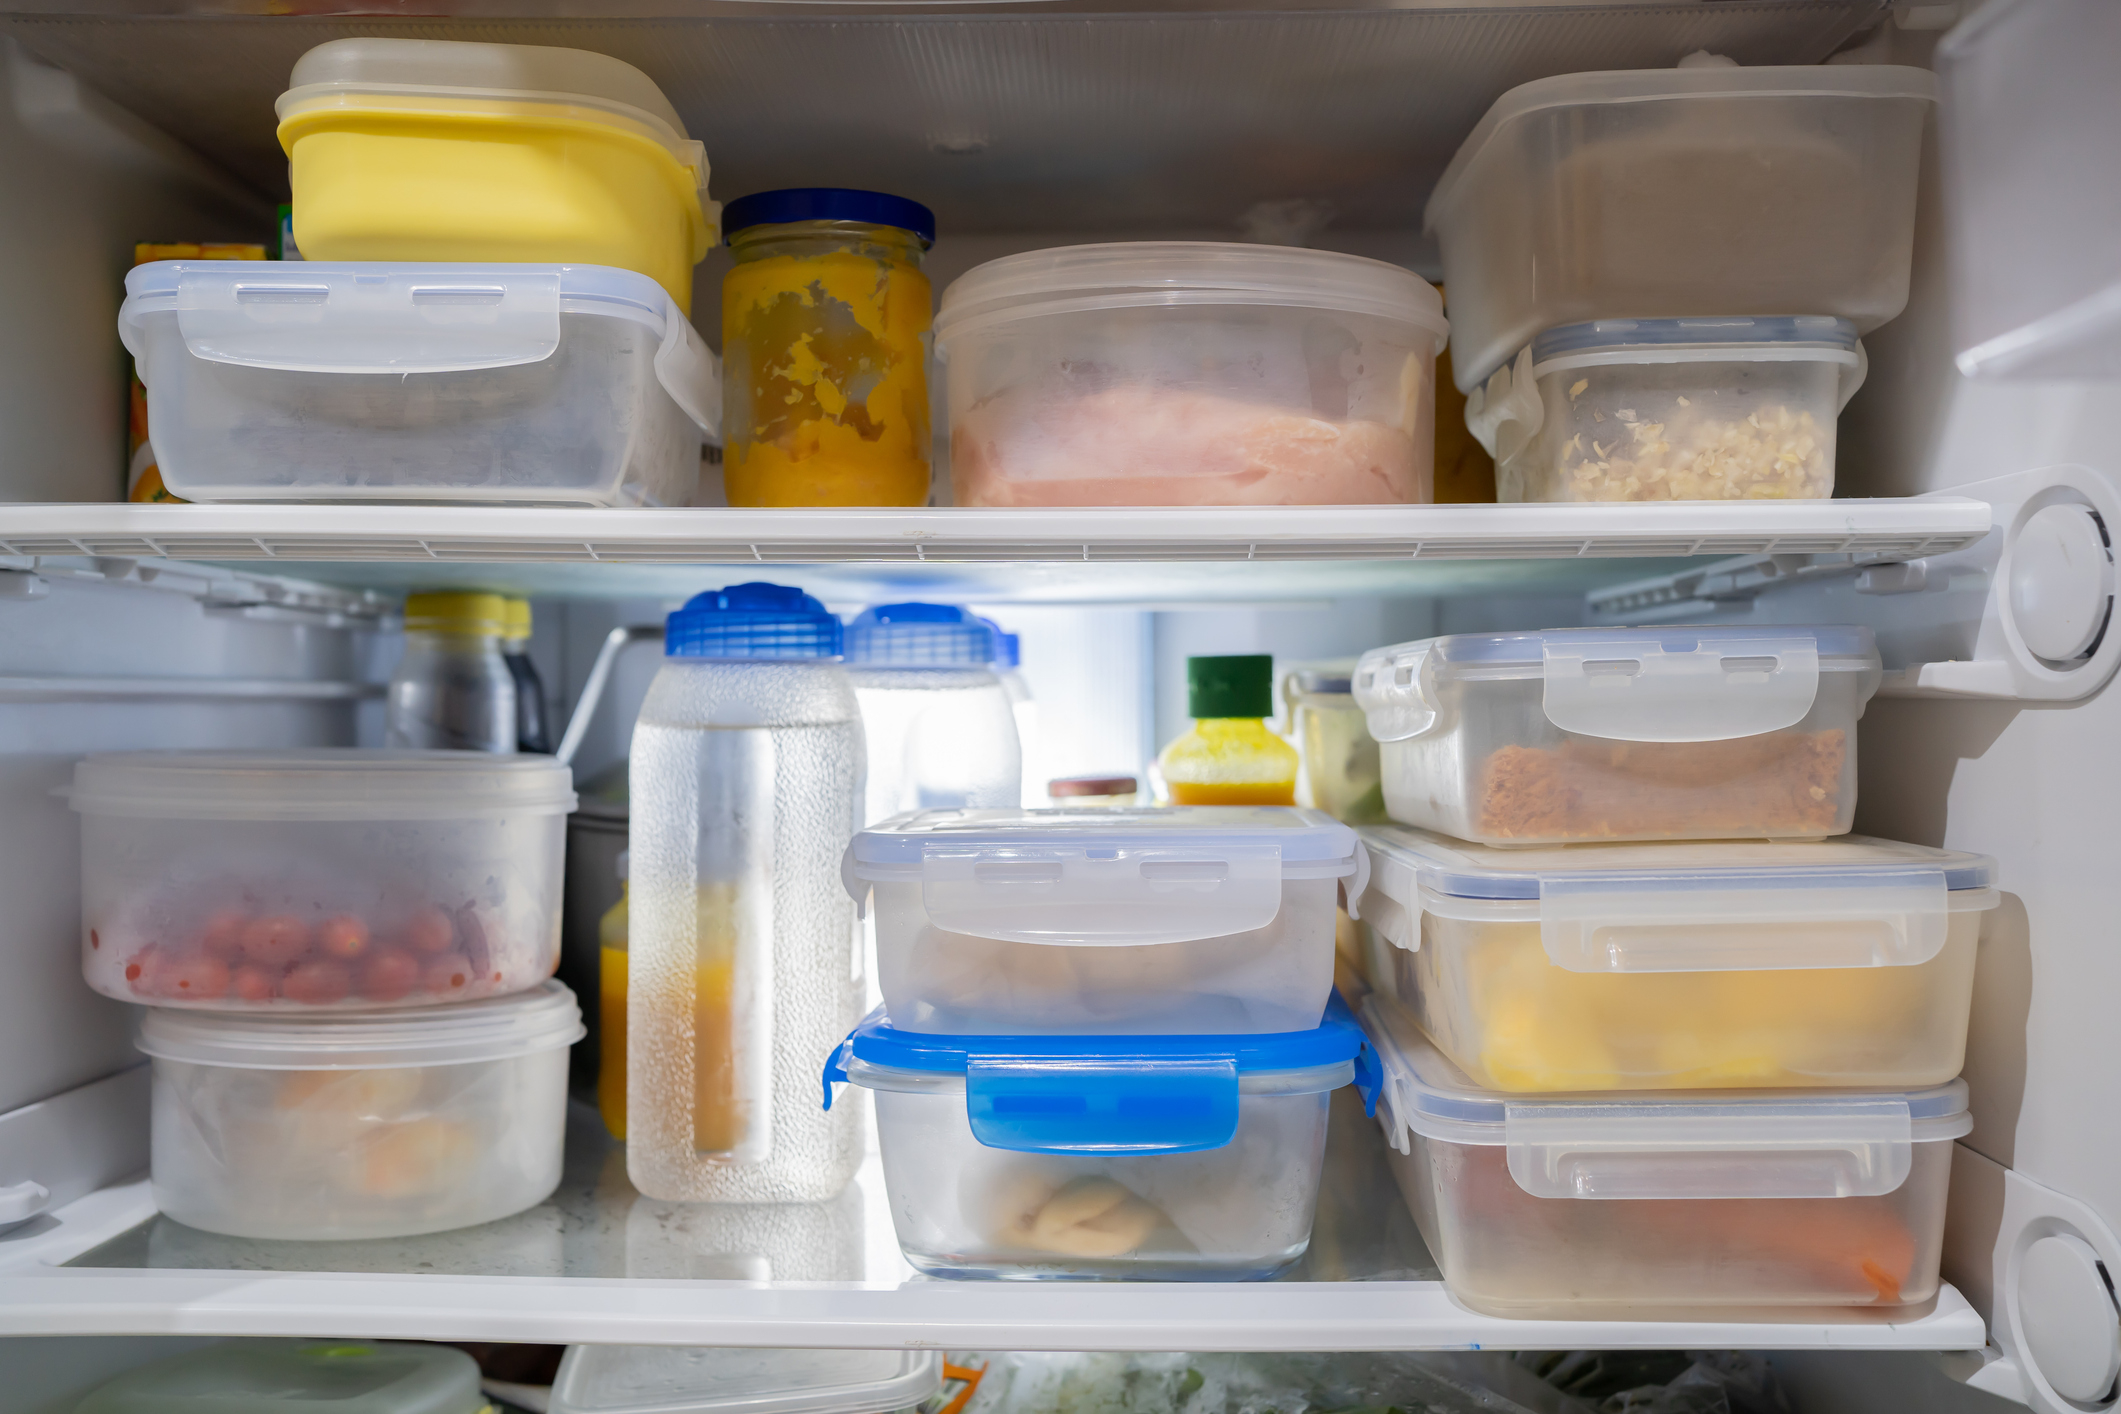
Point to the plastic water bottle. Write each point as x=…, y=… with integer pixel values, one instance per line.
x=940, y=725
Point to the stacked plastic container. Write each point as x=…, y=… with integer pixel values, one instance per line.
x=1660, y=1037
x=1106, y=1046
x=345, y=955
x=1658, y=277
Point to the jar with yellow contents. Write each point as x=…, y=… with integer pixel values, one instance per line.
x=825, y=321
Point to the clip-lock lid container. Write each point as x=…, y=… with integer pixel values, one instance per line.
x=1106, y=1095
x=323, y=783
x=658, y=1379
x=545, y=1018
x=297, y=1377
x=1680, y=1144
x=1686, y=906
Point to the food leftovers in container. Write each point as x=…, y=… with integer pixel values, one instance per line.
x=1666, y=733
x=1178, y=373
x=1105, y=921
x=1683, y=1206
x=298, y=1377
x=322, y=879
x=1672, y=410
x=359, y=1124
x=1190, y=1158
x=1676, y=193
x=1691, y=966
x=681, y=1379
x=1340, y=773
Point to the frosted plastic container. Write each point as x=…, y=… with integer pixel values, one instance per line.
x=938, y=721
x=1688, y=1206
x=297, y=1377
x=677, y=1379
x=1671, y=410
x=572, y=385
x=1189, y=373
x=2032, y=189
x=372, y=1124
x=1674, y=193
x=1695, y=965
x=1666, y=733
x=1191, y=1158
x=319, y=879
x=1102, y=921
x=1340, y=773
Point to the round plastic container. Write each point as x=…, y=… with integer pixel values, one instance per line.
x=1181, y=373
x=677, y=1379
x=319, y=879
x=425, y=149
x=1187, y=1158
x=937, y=717
x=1672, y=410
x=383, y=1124
x=298, y=1377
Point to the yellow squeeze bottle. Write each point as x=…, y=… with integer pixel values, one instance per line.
x=1228, y=756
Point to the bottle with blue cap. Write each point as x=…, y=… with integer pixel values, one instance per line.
x=1009, y=667
x=939, y=723
x=746, y=781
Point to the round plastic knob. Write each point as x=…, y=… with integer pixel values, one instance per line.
x=2067, y=1323
x=2061, y=582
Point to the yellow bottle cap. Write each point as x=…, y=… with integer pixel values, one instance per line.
x=517, y=619
x=457, y=613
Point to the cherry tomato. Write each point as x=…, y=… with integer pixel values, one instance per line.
x=223, y=934
x=389, y=975
x=275, y=941
x=256, y=984
x=195, y=978
x=430, y=931
x=141, y=970
x=449, y=975
x=318, y=983
x=343, y=936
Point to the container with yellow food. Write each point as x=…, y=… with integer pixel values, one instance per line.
x=825, y=349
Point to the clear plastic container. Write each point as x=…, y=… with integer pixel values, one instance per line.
x=298, y=1377
x=455, y=688
x=938, y=720
x=1181, y=373
x=1675, y=193
x=1680, y=966
x=574, y=385
x=1341, y=775
x=743, y=949
x=1769, y=1206
x=355, y=1125
x=677, y=1379
x=319, y=879
x=1671, y=410
x=1183, y=1158
x=1665, y=733
x=1105, y=921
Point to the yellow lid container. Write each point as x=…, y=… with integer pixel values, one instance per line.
x=483, y=614
x=415, y=149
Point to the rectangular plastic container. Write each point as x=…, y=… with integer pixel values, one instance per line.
x=498, y=384
x=356, y=1125
x=1189, y=373
x=1675, y=193
x=1340, y=770
x=1206, y=919
x=1680, y=966
x=298, y=1377
x=1174, y=1158
x=679, y=1379
x=1672, y=410
x=1770, y=1206
x=1666, y=733
x=320, y=879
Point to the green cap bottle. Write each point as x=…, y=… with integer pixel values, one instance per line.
x=1239, y=685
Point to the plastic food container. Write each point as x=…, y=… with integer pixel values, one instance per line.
x=306, y=880
x=1672, y=410
x=1192, y=1158
x=1340, y=763
x=1667, y=733
x=1672, y=193
x=1688, y=1206
x=1182, y=373
x=512, y=384
x=423, y=149
x=298, y=1377
x=677, y=1379
x=1105, y=921
x=376, y=1124
x=1699, y=965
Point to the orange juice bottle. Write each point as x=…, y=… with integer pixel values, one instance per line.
x=611, y=1011
x=1228, y=756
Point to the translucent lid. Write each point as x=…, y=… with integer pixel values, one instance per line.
x=1680, y=682
x=297, y=1377
x=1070, y=279
x=1685, y=906
x=1302, y=837
x=1106, y=1094
x=1681, y=1144
x=922, y=636
x=754, y=620
x=544, y=1018
x=1821, y=332
x=665, y=1379
x=320, y=783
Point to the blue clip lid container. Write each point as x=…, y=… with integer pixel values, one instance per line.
x=922, y=636
x=754, y=620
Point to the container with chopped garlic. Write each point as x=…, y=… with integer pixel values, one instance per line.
x=1681, y=410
